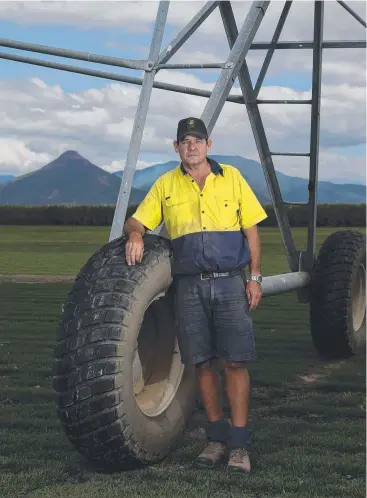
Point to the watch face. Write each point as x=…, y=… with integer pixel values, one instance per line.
x=257, y=278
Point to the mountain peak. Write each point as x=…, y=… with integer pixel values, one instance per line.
x=71, y=155
x=68, y=158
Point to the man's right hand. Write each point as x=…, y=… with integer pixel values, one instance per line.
x=134, y=248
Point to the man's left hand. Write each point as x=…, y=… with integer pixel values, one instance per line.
x=254, y=294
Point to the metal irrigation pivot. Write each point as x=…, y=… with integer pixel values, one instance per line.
x=240, y=41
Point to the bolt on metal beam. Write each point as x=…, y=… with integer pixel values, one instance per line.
x=261, y=142
x=315, y=132
x=352, y=13
x=138, y=127
x=73, y=54
x=186, y=32
x=234, y=61
x=269, y=55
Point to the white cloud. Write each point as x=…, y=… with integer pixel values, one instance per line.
x=118, y=165
x=17, y=158
x=100, y=126
x=134, y=16
x=137, y=15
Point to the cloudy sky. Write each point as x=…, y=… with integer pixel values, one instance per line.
x=45, y=111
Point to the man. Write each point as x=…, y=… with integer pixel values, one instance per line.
x=211, y=214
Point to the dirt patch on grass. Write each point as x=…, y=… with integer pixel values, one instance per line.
x=321, y=372
x=311, y=378
x=36, y=279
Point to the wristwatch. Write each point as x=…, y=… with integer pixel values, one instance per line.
x=257, y=278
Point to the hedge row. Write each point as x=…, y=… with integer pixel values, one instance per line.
x=58, y=215
x=328, y=215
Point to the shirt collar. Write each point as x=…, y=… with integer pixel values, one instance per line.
x=215, y=167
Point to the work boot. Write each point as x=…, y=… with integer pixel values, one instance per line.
x=211, y=455
x=239, y=461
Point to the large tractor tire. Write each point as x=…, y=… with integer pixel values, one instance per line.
x=338, y=296
x=123, y=395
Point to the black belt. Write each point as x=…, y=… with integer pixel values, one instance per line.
x=206, y=275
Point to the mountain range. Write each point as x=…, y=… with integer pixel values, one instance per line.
x=293, y=189
x=71, y=179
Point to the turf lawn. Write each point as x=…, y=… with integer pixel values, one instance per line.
x=308, y=416
x=64, y=250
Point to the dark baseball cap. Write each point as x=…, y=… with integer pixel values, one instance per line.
x=191, y=126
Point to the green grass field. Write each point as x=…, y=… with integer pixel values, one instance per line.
x=308, y=416
x=63, y=250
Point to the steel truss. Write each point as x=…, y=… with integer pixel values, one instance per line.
x=240, y=41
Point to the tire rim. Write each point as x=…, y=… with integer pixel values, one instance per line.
x=359, y=298
x=157, y=370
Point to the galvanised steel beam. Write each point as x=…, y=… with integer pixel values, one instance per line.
x=234, y=62
x=292, y=154
x=269, y=55
x=261, y=142
x=186, y=32
x=287, y=282
x=74, y=54
x=292, y=101
x=236, y=99
x=289, y=45
x=138, y=127
x=206, y=65
x=315, y=133
x=351, y=12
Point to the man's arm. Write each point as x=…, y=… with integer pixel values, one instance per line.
x=253, y=239
x=134, y=250
x=251, y=213
x=134, y=226
x=147, y=216
x=253, y=289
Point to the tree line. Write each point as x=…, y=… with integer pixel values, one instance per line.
x=328, y=215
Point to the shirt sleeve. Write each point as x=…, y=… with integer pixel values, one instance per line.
x=149, y=211
x=251, y=211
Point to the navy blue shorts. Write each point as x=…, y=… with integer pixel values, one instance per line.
x=213, y=319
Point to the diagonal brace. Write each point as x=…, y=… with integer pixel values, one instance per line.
x=186, y=32
x=352, y=13
x=234, y=63
x=261, y=141
x=138, y=127
x=271, y=50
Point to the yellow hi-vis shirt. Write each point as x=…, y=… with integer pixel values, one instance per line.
x=204, y=225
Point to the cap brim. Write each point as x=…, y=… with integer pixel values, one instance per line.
x=193, y=134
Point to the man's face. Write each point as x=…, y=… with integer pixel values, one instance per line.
x=192, y=150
